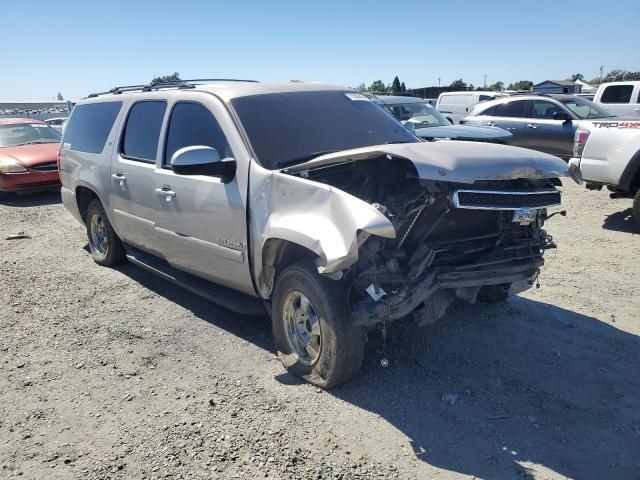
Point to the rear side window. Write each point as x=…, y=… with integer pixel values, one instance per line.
x=517, y=109
x=617, y=94
x=193, y=124
x=89, y=126
x=484, y=98
x=142, y=131
x=461, y=99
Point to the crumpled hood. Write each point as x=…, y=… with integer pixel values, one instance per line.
x=456, y=161
x=30, y=155
x=464, y=132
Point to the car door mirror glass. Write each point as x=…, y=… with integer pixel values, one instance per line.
x=202, y=160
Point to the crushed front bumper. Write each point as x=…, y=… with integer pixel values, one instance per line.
x=442, y=285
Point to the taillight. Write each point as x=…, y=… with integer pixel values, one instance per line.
x=580, y=140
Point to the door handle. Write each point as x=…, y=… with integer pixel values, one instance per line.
x=532, y=125
x=118, y=177
x=166, y=192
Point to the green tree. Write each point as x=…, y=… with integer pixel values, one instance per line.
x=378, y=86
x=395, y=85
x=621, y=76
x=458, y=84
x=520, y=85
x=361, y=88
x=496, y=87
x=576, y=76
x=403, y=87
x=59, y=97
x=174, y=77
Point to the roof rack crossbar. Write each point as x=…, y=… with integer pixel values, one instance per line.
x=158, y=85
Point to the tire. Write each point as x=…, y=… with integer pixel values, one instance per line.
x=494, y=293
x=636, y=208
x=106, y=248
x=338, y=345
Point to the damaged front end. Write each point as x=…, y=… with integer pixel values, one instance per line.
x=453, y=239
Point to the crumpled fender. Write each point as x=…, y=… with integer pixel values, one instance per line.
x=321, y=218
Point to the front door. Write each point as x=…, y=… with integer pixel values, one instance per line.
x=546, y=134
x=131, y=187
x=200, y=220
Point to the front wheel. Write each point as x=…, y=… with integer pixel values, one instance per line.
x=636, y=208
x=312, y=327
x=106, y=248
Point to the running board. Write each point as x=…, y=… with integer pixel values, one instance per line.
x=223, y=296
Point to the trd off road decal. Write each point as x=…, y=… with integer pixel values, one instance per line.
x=616, y=124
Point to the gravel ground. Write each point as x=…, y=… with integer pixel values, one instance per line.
x=118, y=374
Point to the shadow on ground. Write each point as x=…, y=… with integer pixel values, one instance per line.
x=38, y=199
x=531, y=386
x=621, y=222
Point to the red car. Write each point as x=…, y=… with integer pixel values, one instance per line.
x=28, y=156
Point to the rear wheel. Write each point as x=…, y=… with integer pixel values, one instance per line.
x=312, y=329
x=106, y=248
x=636, y=208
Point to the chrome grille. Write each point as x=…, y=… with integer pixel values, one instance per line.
x=501, y=200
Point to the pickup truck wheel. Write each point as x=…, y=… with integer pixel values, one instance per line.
x=311, y=327
x=106, y=248
x=636, y=208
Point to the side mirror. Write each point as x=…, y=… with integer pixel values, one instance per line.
x=202, y=160
x=409, y=126
x=562, y=116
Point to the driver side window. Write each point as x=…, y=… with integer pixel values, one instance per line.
x=192, y=124
x=544, y=110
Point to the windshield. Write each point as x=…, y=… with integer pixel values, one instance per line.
x=27, y=134
x=293, y=127
x=420, y=114
x=585, y=109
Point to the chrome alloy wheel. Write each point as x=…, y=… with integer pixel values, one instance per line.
x=98, y=229
x=302, y=327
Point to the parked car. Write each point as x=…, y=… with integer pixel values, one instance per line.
x=307, y=201
x=429, y=124
x=56, y=123
x=546, y=123
x=607, y=153
x=457, y=105
x=28, y=156
x=620, y=98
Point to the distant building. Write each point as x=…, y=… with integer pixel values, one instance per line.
x=557, y=86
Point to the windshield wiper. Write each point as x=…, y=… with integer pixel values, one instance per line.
x=36, y=142
x=304, y=158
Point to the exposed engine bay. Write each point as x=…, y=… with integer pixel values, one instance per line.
x=452, y=240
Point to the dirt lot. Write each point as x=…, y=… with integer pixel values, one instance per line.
x=117, y=374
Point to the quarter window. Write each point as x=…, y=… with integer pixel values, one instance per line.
x=193, y=124
x=89, y=126
x=517, y=109
x=142, y=131
x=617, y=94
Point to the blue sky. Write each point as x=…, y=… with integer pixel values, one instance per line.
x=77, y=47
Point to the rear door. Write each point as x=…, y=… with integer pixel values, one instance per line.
x=200, y=220
x=131, y=192
x=546, y=134
x=512, y=116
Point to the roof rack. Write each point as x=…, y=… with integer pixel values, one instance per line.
x=160, y=85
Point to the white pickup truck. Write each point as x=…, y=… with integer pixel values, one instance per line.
x=607, y=153
x=620, y=98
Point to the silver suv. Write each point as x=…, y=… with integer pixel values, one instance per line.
x=306, y=201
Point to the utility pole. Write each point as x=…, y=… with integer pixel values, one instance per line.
x=601, y=67
x=439, y=82
x=485, y=81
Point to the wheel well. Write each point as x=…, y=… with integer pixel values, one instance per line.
x=277, y=255
x=83, y=197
